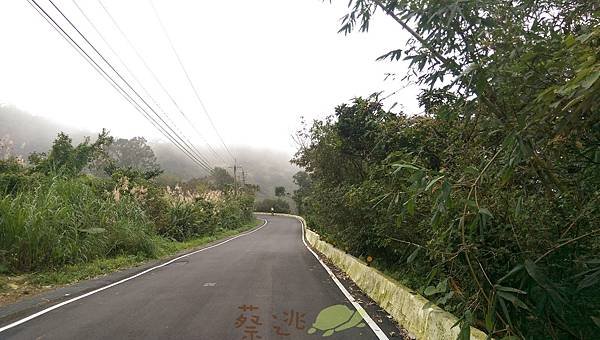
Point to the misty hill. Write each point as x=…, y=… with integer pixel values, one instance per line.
x=30, y=133
x=266, y=168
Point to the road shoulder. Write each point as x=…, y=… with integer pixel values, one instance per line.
x=384, y=320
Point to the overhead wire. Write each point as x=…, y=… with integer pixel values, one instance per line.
x=127, y=96
x=181, y=140
x=190, y=82
x=155, y=77
x=135, y=78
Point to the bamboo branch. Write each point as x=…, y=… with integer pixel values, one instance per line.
x=450, y=64
x=566, y=243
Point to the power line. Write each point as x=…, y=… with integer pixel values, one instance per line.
x=155, y=77
x=188, y=77
x=138, y=82
x=125, y=81
x=48, y=18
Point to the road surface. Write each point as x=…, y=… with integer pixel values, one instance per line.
x=264, y=285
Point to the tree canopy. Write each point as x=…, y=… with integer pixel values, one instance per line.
x=66, y=159
x=280, y=191
x=221, y=179
x=133, y=153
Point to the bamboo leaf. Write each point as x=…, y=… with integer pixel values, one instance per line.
x=394, y=55
x=509, y=289
x=432, y=182
x=596, y=320
x=412, y=256
x=513, y=299
x=589, y=280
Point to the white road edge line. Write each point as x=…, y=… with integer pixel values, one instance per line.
x=51, y=308
x=378, y=332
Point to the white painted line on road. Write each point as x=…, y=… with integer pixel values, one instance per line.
x=378, y=332
x=44, y=311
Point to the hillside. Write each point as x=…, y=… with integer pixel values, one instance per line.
x=266, y=168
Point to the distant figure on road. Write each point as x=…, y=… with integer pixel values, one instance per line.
x=272, y=211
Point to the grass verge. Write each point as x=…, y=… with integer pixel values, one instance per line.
x=13, y=287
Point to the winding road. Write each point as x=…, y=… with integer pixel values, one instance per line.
x=264, y=284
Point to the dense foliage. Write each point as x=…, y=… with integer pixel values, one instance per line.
x=279, y=205
x=488, y=201
x=54, y=212
x=304, y=184
x=280, y=191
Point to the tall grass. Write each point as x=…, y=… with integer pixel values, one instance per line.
x=53, y=215
x=196, y=215
x=229, y=214
x=56, y=221
x=186, y=220
x=65, y=221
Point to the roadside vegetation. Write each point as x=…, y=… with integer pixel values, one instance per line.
x=279, y=204
x=487, y=202
x=82, y=210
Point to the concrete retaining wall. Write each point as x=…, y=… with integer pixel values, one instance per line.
x=403, y=304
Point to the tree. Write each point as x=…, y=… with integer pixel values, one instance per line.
x=251, y=189
x=133, y=153
x=280, y=191
x=196, y=185
x=304, y=183
x=65, y=159
x=221, y=179
x=278, y=205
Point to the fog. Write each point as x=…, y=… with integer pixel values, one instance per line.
x=265, y=167
x=258, y=66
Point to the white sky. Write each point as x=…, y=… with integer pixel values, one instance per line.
x=258, y=65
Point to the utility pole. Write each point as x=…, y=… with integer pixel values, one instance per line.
x=235, y=189
x=243, y=186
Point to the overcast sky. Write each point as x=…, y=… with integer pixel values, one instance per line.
x=257, y=65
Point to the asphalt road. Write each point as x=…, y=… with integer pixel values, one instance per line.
x=265, y=285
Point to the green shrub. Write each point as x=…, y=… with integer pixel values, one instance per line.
x=157, y=208
x=279, y=206
x=227, y=215
x=13, y=176
x=186, y=220
x=11, y=183
x=199, y=217
x=233, y=212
